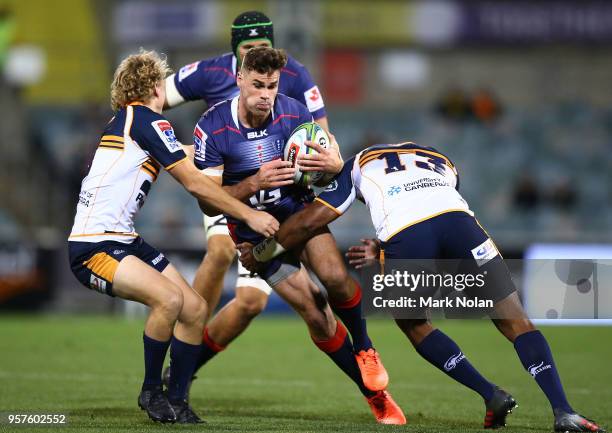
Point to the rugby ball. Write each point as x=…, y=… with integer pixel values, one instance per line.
x=296, y=145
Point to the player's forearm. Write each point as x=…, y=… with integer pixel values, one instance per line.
x=243, y=189
x=214, y=200
x=292, y=233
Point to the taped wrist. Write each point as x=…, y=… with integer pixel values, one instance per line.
x=267, y=249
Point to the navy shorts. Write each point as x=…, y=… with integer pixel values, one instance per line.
x=94, y=263
x=458, y=242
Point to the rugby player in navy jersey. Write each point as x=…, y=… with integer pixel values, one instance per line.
x=106, y=253
x=418, y=213
x=232, y=140
x=214, y=80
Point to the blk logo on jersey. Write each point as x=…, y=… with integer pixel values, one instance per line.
x=257, y=134
x=166, y=133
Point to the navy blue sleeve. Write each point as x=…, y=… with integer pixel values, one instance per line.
x=305, y=90
x=207, y=150
x=191, y=81
x=154, y=134
x=340, y=194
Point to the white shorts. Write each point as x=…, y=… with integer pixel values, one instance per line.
x=217, y=225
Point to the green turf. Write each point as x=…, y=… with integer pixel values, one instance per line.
x=274, y=379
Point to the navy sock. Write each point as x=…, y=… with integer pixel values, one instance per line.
x=183, y=358
x=340, y=350
x=209, y=350
x=154, y=355
x=441, y=351
x=536, y=357
x=350, y=314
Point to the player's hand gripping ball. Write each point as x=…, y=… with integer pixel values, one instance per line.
x=296, y=145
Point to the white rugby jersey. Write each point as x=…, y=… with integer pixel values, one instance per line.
x=402, y=184
x=135, y=144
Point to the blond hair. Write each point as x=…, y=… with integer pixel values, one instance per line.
x=136, y=77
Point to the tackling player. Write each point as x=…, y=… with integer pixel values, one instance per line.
x=214, y=80
x=107, y=255
x=412, y=194
x=232, y=140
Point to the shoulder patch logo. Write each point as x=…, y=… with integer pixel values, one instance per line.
x=199, y=142
x=187, y=70
x=166, y=133
x=314, y=100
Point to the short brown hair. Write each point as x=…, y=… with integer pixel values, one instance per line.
x=136, y=77
x=264, y=60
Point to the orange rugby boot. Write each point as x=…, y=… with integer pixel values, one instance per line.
x=373, y=372
x=385, y=409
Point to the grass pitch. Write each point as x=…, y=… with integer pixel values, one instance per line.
x=273, y=379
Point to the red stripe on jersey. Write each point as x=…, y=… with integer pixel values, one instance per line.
x=291, y=116
x=290, y=72
x=218, y=68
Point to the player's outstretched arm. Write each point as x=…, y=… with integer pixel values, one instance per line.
x=210, y=194
x=300, y=227
x=272, y=174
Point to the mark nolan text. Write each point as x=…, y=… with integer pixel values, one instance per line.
x=406, y=302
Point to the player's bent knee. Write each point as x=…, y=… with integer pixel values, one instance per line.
x=221, y=251
x=194, y=312
x=253, y=304
x=172, y=303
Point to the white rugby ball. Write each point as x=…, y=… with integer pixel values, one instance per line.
x=296, y=146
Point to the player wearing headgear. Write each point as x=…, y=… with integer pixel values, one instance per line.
x=418, y=213
x=106, y=253
x=214, y=80
x=232, y=140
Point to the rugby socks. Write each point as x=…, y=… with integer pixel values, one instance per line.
x=154, y=355
x=340, y=350
x=183, y=358
x=209, y=350
x=349, y=312
x=536, y=357
x=441, y=351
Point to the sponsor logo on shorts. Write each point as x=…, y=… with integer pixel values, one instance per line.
x=157, y=259
x=484, y=252
x=166, y=133
x=535, y=369
x=117, y=252
x=453, y=361
x=97, y=283
x=187, y=70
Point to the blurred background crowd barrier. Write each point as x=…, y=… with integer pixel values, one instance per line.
x=516, y=93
